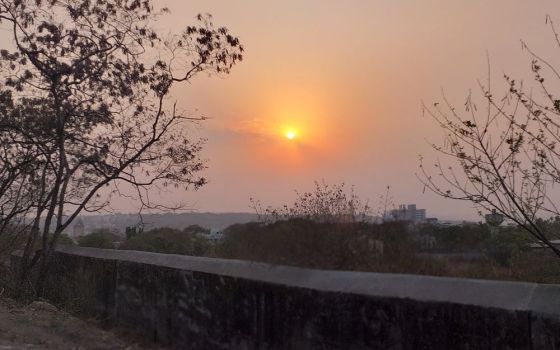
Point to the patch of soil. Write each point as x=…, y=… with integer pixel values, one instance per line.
x=41, y=325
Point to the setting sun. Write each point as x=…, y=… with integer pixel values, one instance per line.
x=290, y=134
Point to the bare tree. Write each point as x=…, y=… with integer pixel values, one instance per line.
x=506, y=151
x=325, y=204
x=385, y=204
x=88, y=83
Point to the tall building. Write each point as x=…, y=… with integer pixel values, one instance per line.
x=408, y=213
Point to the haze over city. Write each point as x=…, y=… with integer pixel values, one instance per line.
x=349, y=82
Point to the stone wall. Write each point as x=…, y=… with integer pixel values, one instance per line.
x=202, y=303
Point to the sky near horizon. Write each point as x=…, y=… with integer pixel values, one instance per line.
x=349, y=79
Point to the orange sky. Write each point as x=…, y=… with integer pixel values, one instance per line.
x=350, y=76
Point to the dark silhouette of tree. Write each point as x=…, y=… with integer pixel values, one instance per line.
x=84, y=105
x=506, y=151
x=325, y=204
x=100, y=238
x=188, y=241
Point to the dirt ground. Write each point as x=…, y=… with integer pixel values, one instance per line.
x=41, y=325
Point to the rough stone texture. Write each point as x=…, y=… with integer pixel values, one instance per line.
x=203, y=303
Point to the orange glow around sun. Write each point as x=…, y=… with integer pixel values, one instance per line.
x=290, y=134
x=290, y=129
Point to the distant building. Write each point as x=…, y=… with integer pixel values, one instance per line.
x=408, y=213
x=432, y=221
x=494, y=218
x=214, y=235
x=540, y=244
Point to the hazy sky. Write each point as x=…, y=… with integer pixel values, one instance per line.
x=349, y=77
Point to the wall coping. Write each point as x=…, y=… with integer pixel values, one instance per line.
x=513, y=296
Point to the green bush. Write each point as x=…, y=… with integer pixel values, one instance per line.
x=170, y=241
x=307, y=243
x=65, y=239
x=101, y=238
x=10, y=241
x=457, y=237
x=507, y=245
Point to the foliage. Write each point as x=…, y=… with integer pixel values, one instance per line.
x=505, y=152
x=10, y=241
x=325, y=204
x=503, y=247
x=170, y=241
x=550, y=227
x=468, y=237
x=84, y=106
x=65, y=239
x=307, y=243
x=387, y=247
x=508, y=245
x=131, y=231
x=196, y=229
x=101, y=238
x=62, y=239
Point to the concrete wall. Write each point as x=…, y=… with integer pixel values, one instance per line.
x=201, y=303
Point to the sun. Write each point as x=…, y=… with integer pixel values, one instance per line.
x=290, y=134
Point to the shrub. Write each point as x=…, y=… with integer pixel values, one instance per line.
x=307, y=243
x=170, y=241
x=101, y=238
x=457, y=237
x=507, y=245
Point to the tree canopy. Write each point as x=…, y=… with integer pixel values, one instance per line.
x=503, y=147
x=85, y=105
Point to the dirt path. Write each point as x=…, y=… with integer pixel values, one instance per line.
x=42, y=326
